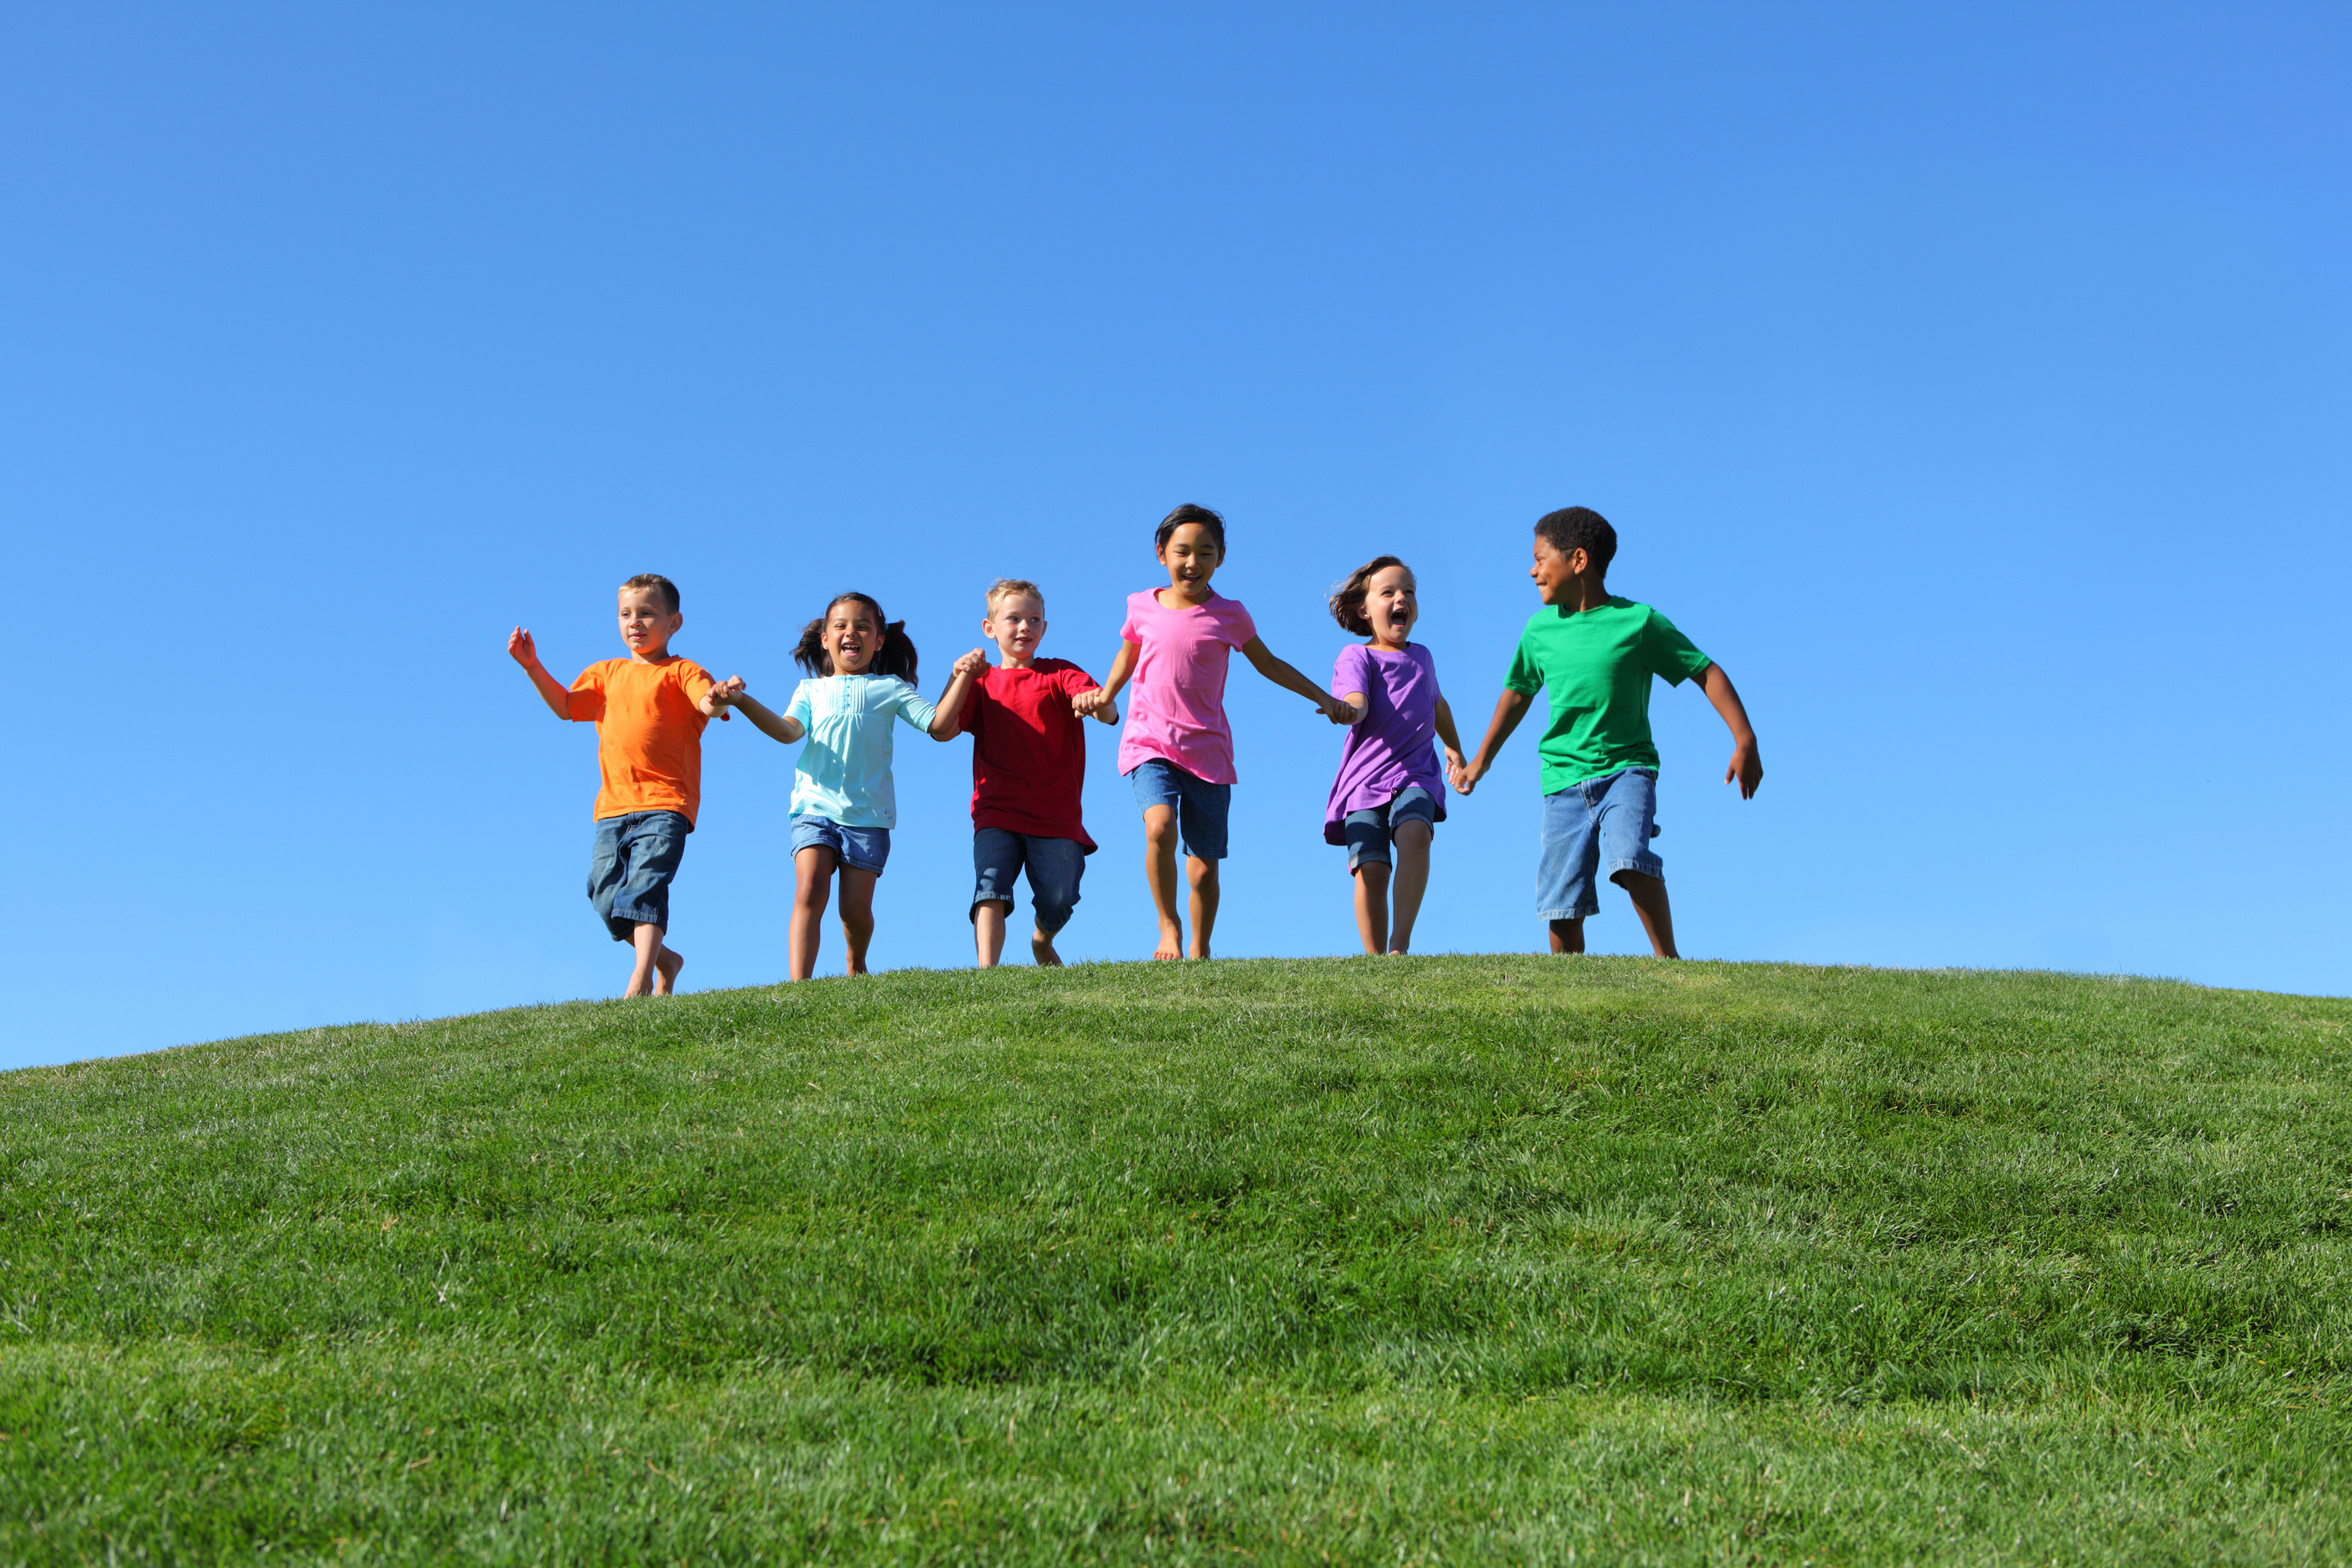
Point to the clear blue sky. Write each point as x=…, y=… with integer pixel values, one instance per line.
x=1971, y=382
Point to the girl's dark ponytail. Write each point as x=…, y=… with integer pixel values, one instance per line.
x=896, y=657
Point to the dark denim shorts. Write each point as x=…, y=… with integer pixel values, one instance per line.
x=1369, y=829
x=1594, y=830
x=1055, y=867
x=1200, y=806
x=860, y=849
x=630, y=869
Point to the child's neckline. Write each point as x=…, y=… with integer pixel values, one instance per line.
x=1178, y=609
x=1384, y=648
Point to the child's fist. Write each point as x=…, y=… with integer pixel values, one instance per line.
x=1336, y=711
x=521, y=649
x=1084, y=703
x=727, y=690
x=971, y=663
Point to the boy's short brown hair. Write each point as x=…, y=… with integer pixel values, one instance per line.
x=655, y=579
x=1006, y=587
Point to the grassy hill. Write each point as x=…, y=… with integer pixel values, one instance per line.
x=1446, y=1260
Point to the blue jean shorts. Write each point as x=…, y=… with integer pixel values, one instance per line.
x=1592, y=830
x=630, y=869
x=860, y=849
x=1055, y=867
x=1200, y=806
x=1370, y=830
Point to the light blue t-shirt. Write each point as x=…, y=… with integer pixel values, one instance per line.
x=844, y=770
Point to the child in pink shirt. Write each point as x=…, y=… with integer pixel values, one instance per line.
x=1178, y=750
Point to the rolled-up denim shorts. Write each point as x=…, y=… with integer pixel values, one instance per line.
x=629, y=870
x=1200, y=806
x=1592, y=830
x=1055, y=867
x=861, y=849
x=1371, y=830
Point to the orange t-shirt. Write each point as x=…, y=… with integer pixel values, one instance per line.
x=648, y=733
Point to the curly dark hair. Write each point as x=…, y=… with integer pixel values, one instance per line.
x=895, y=656
x=1189, y=513
x=1580, y=528
x=1348, y=598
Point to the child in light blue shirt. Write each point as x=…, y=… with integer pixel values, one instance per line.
x=861, y=676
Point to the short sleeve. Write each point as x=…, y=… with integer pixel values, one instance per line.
x=587, y=702
x=1351, y=671
x=1129, y=631
x=1075, y=680
x=694, y=681
x=913, y=706
x=1240, y=630
x=799, y=710
x=1671, y=656
x=1526, y=676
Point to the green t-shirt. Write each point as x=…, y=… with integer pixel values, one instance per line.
x=1597, y=665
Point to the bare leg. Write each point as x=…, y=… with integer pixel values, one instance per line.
x=1411, y=880
x=988, y=930
x=1041, y=950
x=813, y=866
x=1373, y=905
x=1204, y=874
x=1160, y=872
x=666, y=964
x=1567, y=936
x=648, y=940
x=857, y=913
x=1649, y=896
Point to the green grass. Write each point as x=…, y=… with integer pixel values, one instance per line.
x=1446, y=1260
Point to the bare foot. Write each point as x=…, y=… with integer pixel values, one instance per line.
x=856, y=965
x=1200, y=950
x=1041, y=949
x=1171, y=945
x=666, y=968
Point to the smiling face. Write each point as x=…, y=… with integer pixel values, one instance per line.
x=647, y=622
x=1391, y=603
x=1191, y=556
x=852, y=636
x=1555, y=574
x=1016, y=624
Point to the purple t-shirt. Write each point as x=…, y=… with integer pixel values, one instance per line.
x=1391, y=747
x=1176, y=708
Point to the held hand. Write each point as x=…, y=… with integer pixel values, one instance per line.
x=1453, y=767
x=971, y=663
x=1467, y=778
x=1086, y=702
x=521, y=649
x=1336, y=711
x=1747, y=768
x=727, y=690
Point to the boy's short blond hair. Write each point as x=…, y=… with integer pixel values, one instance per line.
x=1006, y=587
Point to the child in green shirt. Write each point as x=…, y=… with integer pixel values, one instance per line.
x=1596, y=653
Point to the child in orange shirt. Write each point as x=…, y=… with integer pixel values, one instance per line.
x=649, y=709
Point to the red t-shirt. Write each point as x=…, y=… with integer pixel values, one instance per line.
x=1029, y=750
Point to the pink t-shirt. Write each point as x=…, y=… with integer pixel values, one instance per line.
x=1176, y=706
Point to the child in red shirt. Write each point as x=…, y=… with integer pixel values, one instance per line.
x=649, y=710
x=1028, y=775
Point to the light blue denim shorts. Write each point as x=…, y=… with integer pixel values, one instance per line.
x=630, y=868
x=1592, y=830
x=1201, y=807
x=860, y=849
x=1054, y=866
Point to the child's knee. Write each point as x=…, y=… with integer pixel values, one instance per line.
x=1160, y=829
x=1412, y=833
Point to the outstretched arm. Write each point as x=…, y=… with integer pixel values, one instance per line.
x=947, y=719
x=524, y=651
x=1285, y=675
x=1510, y=709
x=1099, y=700
x=776, y=726
x=1746, y=765
x=1453, y=739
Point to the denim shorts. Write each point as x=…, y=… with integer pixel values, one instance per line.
x=1055, y=867
x=1370, y=830
x=1200, y=806
x=629, y=870
x=860, y=849
x=1592, y=830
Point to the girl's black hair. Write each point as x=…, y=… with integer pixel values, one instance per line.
x=1347, y=600
x=1189, y=513
x=895, y=657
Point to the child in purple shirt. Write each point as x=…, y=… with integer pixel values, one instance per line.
x=1389, y=788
